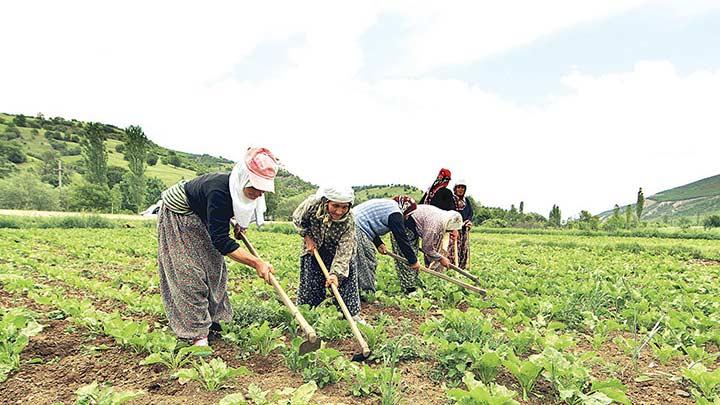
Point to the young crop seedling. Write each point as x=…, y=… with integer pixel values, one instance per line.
x=480, y=393
x=212, y=375
x=173, y=360
x=93, y=394
x=525, y=371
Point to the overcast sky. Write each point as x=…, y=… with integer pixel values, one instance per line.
x=575, y=103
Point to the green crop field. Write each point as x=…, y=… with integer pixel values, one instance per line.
x=568, y=319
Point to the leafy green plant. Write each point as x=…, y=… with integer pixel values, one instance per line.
x=368, y=380
x=479, y=393
x=173, y=360
x=325, y=366
x=708, y=382
x=374, y=335
x=264, y=339
x=287, y=396
x=212, y=375
x=293, y=359
x=458, y=326
x=93, y=394
x=16, y=328
x=488, y=365
x=525, y=372
x=700, y=355
x=665, y=352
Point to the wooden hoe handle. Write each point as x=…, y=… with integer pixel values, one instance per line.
x=353, y=326
x=441, y=275
x=309, y=331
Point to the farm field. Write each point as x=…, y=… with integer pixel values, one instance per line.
x=567, y=319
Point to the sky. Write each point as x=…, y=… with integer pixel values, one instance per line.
x=568, y=102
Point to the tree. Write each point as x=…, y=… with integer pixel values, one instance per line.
x=155, y=187
x=555, y=217
x=86, y=196
x=713, y=221
x=152, y=158
x=95, y=155
x=136, y=144
x=628, y=216
x=522, y=207
x=640, y=203
x=588, y=221
x=12, y=152
x=615, y=221
x=25, y=191
x=115, y=175
x=20, y=121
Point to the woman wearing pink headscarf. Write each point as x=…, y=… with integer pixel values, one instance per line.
x=193, y=237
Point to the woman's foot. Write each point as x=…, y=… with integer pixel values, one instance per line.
x=203, y=341
x=358, y=319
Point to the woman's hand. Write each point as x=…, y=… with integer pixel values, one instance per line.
x=445, y=261
x=382, y=249
x=333, y=279
x=264, y=269
x=415, y=266
x=238, y=230
x=310, y=243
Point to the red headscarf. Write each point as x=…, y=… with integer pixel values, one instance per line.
x=442, y=180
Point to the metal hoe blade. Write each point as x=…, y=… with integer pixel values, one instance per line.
x=308, y=346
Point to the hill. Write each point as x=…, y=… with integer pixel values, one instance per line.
x=697, y=199
x=36, y=143
x=38, y=138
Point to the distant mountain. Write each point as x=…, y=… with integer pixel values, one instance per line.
x=699, y=198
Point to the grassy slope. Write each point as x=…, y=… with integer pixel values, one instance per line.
x=35, y=145
x=701, y=198
x=707, y=187
x=386, y=191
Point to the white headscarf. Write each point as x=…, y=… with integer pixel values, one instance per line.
x=245, y=209
x=453, y=220
x=341, y=194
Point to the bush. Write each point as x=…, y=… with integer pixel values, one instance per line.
x=152, y=158
x=13, y=152
x=172, y=160
x=25, y=191
x=120, y=148
x=85, y=196
x=713, y=221
x=495, y=223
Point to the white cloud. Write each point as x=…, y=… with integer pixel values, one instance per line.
x=169, y=68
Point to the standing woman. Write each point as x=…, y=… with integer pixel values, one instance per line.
x=373, y=219
x=325, y=222
x=430, y=224
x=193, y=237
x=438, y=194
x=462, y=205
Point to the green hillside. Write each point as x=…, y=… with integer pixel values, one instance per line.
x=708, y=187
x=27, y=143
x=364, y=193
x=695, y=200
x=37, y=137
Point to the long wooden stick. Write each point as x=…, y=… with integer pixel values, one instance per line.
x=455, y=256
x=465, y=273
x=441, y=275
x=353, y=326
x=309, y=331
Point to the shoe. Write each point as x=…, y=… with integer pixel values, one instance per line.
x=203, y=341
x=358, y=319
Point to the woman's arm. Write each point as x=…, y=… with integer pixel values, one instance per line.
x=262, y=267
